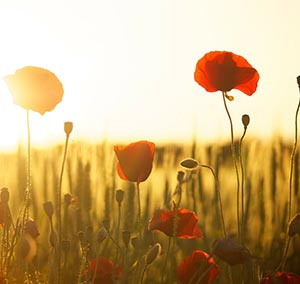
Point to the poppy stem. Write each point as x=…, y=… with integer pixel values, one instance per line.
x=28, y=155
x=165, y=260
x=233, y=152
x=59, y=226
x=139, y=209
x=287, y=239
x=219, y=196
x=242, y=185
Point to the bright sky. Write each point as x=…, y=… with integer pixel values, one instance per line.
x=127, y=66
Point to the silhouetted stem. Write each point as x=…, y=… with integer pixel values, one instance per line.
x=139, y=209
x=219, y=196
x=287, y=240
x=242, y=184
x=59, y=210
x=235, y=164
x=165, y=260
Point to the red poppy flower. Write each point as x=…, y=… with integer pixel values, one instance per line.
x=193, y=268
x=35, y=88
x=135, y=160
x=186, y=227
x=281, y=278
x=224, y=71
x=107, y=272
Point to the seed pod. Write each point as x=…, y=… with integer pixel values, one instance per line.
x=119, y=196
x=245, y=120
x=68, y=127
x=49, y=209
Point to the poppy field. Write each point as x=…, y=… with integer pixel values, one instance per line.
x=144, y=212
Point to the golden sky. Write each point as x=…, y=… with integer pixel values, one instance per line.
x=127, y=67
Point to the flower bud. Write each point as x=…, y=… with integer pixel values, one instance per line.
x=231, y=251
x=119, y=196
x=32, y=229
x=294, y=226
x=298, y=81
x=189, y=164
x=4, y=195
x=180, y=176
x=68, y=127
x=245, y=120
x=153, y=253
x=101, y=235
x=49, y=209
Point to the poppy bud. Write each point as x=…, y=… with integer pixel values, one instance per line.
x=4, y=195
x=49, y=209
x=101, y=235
x=246, y=120
x=32, y=229
x=298, y=81
x=294, y=226
x=230, y=251
x=120, y=196
x=180, y=176
x=126, y=238
x=68, y=127
x=153, y=253
x=189, y=164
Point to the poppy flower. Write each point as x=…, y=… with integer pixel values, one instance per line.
x=35, y=88
x=107, y=272
x=135, y=160
x=185, y=227
x=193, y=268
x=281, y=278
x=231, y=251
x=224, y=71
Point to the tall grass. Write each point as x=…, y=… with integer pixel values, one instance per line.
x=90, y=184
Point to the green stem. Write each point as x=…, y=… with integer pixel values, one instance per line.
x=59, y=210
x=224, y=94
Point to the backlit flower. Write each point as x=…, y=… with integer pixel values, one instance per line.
x=224, y=71
x=185, y=227
x=281, y=278
x=135, y=160
x=35, y=88
x=199, y=265
x=106, y=271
